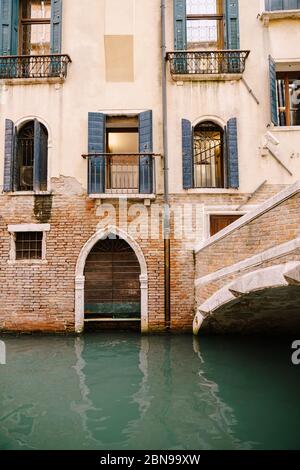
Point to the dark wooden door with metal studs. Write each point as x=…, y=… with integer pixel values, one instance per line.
x=112, y=284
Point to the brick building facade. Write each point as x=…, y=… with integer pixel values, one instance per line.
x=84, y=132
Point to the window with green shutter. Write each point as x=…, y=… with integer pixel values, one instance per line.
x=210, y=155
x=30, y=27
x=25, y=157
x=206, y=24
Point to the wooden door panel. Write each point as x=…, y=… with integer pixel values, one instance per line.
x=112, y=286
x=219, y=222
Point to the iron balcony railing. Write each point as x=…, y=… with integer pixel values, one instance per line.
x=207, y=62
x=110, y=173
x=34, y=66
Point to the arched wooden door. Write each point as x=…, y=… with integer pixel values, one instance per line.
x=112, y=282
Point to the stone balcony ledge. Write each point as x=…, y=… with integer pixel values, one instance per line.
x=276, y=15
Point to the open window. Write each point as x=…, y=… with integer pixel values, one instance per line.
x=207, y=40
x=205, y=24
x=122, y=142
x=120, y=154
x=208, y=143
x=35, y=27
x=31, y=40
x=210, y=155
x=26, y=157
x=285, y=93
x=288, y=98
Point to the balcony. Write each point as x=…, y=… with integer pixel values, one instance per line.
x=116, y=175
x=34, y=68
x=207, y=65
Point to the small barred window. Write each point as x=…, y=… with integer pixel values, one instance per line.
x=29, y=245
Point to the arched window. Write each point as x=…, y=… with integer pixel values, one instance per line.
x=31, y=157
x=208, y=155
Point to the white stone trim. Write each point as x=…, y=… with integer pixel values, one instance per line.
x=80, y=279
x=204, y=77
x=122, y=112
x=282, y=275
x=28, y=193
x=209, y=213
x=267, y=16
x=279, y=129
x=212, y=191
x=33, y=81
x=13, y=229
x=21, y=122
x=287, y=193
x=209, y=117
x=256, y=260
x=29, y=228
x=122, y=196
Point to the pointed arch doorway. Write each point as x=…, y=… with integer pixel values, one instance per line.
x=111, y=283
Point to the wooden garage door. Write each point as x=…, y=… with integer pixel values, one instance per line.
x=112, y=285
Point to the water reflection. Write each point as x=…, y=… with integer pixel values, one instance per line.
x=118, y=391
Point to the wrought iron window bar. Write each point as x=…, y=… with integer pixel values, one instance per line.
x=34, y=66
x=122, y=173
x=207, y=62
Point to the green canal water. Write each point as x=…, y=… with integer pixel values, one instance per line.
x=124, y=391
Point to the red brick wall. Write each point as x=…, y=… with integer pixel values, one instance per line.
x=40, y=297
x=277, y=226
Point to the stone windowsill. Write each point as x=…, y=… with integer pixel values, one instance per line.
x=122, y=196
x=286, y=129
x=268, y=16
x=31, y=81
x=212, y=191
x=29, y=262
x=28, y=193
x=199, y=77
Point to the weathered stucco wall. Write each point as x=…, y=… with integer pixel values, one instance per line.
x=64, y=108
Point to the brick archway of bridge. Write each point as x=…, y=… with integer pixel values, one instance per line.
x=248, y=275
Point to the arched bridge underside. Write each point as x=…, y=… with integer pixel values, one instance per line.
x=264, y=301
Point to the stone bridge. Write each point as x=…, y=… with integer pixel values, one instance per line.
x=248, y=275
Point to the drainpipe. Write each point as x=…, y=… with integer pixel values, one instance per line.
x=167, y=247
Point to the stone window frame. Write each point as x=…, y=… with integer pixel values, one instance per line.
x=219, y=210
x=13, y=229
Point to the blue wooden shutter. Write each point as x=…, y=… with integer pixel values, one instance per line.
x=145, y=145
x=9, y=154
x=37, y=152
x=15, y=27
x=273, y=91
x=40, y=164
x=232, y=154
x=180, y=29
x=6, y=7
x=56, y=26
x=96, y=144
x=187, y=154
x=232, y=34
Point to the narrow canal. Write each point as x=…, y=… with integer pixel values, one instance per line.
x=124, y=391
